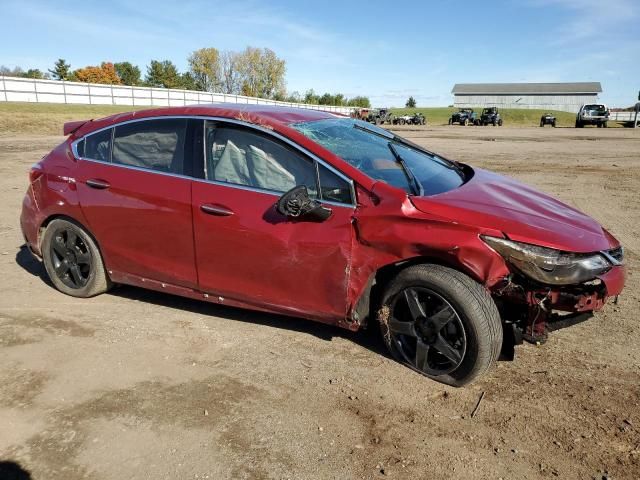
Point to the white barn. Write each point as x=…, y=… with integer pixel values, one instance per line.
x=566, y=97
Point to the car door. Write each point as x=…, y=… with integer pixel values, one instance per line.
x=135, y=191
x=248, y=252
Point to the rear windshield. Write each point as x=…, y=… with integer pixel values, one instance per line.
x=375, y=152
x=597, y=108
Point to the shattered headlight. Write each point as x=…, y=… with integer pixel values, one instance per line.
x=550, y=266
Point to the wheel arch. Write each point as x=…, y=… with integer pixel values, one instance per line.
x=368, y=303
x=61, y=216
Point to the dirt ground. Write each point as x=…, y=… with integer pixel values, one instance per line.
x=135, y=384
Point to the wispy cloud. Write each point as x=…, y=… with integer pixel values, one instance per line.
x=595, y=19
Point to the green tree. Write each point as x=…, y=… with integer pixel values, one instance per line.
x=34, y=73
x=310, y=97
x=162, y=74
x=326, y=99
x=188, y=82
x=294, y=97
x=411, y=103
x=204, y=67
x=61, y=70
x=129, y=74
x=359, y=101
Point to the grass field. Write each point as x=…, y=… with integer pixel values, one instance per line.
x=511, y=117
x=47, y=118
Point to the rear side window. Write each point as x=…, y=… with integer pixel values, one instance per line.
x=96, y=146
x=151, y=144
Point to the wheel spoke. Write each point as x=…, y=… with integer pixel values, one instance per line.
x=442, y=317
x=411, y=297
x=83, y=258
x=58, y=246
x=75, y=273
x=447, y=350
x=422, y=350
x=61, y=269
x=402, y=328
x=71, y=239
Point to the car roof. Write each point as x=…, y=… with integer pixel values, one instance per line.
x=267, y=115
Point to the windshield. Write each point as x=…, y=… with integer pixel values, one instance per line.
x=383, y=156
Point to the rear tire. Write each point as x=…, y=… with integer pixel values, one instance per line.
x=500, y=122
x=441, y=323
x=73, y=260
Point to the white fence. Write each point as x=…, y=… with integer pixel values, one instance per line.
x=15, y=89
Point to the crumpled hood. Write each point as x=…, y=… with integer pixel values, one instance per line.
x=525, y=214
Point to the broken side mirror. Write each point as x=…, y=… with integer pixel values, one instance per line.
x=296, y=203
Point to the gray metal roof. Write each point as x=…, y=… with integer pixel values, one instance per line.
x=526, y=88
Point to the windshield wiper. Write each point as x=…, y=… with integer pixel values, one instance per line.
x=413, y=181
x=365, y=128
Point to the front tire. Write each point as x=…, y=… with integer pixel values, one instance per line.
x=441, y=323
x=73, y=261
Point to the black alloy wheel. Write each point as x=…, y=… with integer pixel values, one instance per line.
x=427, y=331
x=71, y=258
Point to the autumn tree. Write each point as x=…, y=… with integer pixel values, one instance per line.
x=129, y=74
x=262, y=73
x=162, y=74
x=105, y=73
x=61, y=70
x=204, y=67
x=11, y=72
x=230, y=77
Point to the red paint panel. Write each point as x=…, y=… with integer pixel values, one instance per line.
x=142, y=221
x=257, y=256
x=522, y=212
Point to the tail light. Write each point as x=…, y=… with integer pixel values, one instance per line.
x=35, y=173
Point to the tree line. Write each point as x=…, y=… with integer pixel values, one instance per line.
x=254, y=72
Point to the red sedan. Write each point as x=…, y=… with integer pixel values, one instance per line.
x=314, y=215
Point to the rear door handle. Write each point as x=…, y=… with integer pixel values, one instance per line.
x=217, y=210
x=97, y=183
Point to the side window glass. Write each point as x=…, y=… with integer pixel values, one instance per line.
x=332, y=187
x=97, y=146
x=242, y=157
x=153, y=144
x=80, y=148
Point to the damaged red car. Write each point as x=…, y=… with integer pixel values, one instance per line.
x=314, y=215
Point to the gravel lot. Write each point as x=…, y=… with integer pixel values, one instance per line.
x=135, y=384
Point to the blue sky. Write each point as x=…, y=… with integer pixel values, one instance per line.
x=386, y=50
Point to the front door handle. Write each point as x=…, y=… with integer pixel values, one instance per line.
x=97, y=183
x=217, y=210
